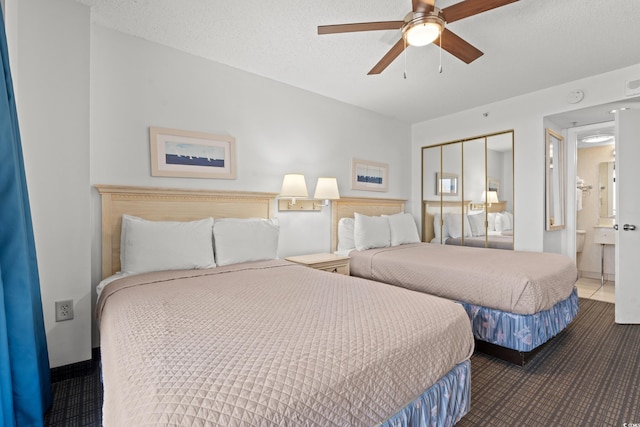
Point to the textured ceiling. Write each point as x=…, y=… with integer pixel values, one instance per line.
x=528, y=45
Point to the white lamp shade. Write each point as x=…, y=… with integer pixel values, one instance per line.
x=492, y=198
x=327, y=189
x=294, y=185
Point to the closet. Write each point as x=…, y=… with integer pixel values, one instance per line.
x=467, y=192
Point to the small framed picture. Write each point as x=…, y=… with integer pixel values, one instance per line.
x=186, y=154
x=493, y=184
x=446, y=184
x=369, y=176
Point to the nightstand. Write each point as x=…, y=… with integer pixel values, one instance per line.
x=325, y=261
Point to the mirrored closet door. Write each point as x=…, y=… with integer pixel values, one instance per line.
x=467, y=192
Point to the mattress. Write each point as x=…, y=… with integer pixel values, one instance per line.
x=271, y=343
x=512, y=281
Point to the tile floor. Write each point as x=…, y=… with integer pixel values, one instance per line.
x=591, y=289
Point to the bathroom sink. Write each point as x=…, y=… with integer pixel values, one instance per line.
x=604, y=235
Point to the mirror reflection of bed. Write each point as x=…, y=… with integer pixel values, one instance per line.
x=468, y=223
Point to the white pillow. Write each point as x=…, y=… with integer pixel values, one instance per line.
x=476, y=221
x=403, y=229
x=467, y=226
x=165, y=245
x=242, y=240
x=509, y=215
x=371, y=232
x=454, y=223
x=436, y=227
x=498, y=224
x=491, y=218
x=346, y=234
x=503, y=222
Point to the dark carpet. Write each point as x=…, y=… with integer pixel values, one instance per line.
x=588, y=375
x=77, y=395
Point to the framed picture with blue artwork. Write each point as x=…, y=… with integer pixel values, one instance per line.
x=370, y=176
x=185, y=154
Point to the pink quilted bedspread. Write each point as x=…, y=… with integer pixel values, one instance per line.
x=514, y=281
x=270, y=343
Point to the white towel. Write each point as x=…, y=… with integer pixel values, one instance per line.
x=578, y=199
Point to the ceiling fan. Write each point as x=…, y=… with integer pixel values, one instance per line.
x=423, y=25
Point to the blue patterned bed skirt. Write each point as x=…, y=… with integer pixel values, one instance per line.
x=519, y=331
x=442, y=405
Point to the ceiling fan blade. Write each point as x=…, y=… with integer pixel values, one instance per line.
x=467, y=8
x=458, y=47
x=362, y=26
x=422, y=5
x=388, y=58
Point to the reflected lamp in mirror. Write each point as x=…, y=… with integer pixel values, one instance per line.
x=489, y=197
x=326, y=189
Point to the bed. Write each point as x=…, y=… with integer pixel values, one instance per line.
x=262, y=342
x=516, y=301
x=462, y=223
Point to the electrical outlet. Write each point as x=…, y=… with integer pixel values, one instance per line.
x=64, y=310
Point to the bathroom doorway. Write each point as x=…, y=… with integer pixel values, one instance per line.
x=595, y=203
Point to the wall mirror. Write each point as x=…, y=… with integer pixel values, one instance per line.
x=555, y=211
x=607, y=189
x=478, y=209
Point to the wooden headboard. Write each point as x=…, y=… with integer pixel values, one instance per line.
x=345, y=207
x=164, y=204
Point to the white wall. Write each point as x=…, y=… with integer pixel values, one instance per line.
x=525, y=115
x=278, y=129
x=49, y=46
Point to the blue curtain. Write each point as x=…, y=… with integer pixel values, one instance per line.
x=25, y=384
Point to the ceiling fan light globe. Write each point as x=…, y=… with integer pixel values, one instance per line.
x=422, y=34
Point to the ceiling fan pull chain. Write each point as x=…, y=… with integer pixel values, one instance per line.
x=405, y=58
x=440, y=67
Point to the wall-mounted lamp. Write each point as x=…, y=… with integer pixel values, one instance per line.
x=294, y=187
x=326, y=189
